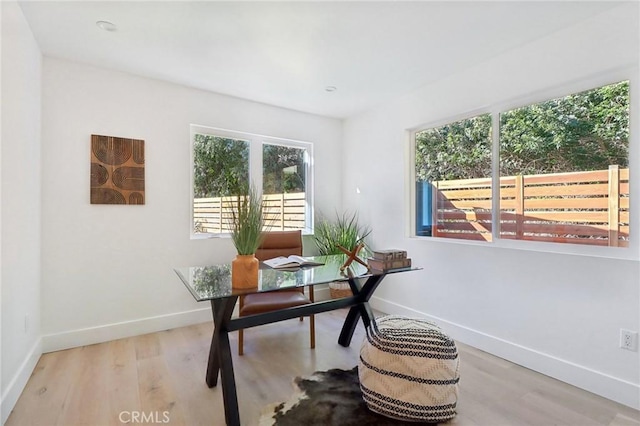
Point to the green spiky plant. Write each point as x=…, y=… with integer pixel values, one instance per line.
x=247, y=222
x=344, y=231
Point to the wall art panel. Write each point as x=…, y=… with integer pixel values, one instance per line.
x=117, y=170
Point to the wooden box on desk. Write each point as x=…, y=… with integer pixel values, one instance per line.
x=388, y=265
x=389, y=254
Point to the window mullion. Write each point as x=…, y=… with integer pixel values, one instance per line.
x=255, y=164
x=495, y=175
x=308, y=172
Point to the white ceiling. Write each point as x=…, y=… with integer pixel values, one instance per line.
x=286, y=53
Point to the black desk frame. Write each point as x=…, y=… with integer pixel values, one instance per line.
x=220, y=360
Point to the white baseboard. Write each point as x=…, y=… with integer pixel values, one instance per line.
x=607, y=386
x=19, y=381
x=321, y=292
x=120, y=330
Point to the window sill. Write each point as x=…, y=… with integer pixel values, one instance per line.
x=203, y=236
x=208, y=236
x=620, y=253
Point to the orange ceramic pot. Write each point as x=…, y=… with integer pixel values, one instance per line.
x=244, y=271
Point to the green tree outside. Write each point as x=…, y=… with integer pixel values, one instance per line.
x=220, y=166
x=283, y=169
x=580, y=132
x=460, y=150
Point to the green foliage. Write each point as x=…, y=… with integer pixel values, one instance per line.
x=455, y=151
x=579, y=132
x=344, y=231
x=220, y=166
x=247, y=222
x=283, y=169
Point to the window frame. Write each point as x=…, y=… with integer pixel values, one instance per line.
x=632, y=252
x=256, y=143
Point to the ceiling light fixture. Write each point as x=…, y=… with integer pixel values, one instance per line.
x=331, y=88
x=107, y=26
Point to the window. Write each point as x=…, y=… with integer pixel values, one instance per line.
x=225, y=163
x=563, y=173
x=220, y=171
x=284, y=186
x=564, y=169
x=453, y=180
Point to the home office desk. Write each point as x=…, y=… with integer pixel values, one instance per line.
x=213, y=283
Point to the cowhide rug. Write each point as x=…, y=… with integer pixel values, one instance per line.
x=327, y=398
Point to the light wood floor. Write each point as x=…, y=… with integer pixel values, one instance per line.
x=107, y=383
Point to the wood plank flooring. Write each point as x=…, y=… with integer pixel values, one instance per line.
x=159, y=378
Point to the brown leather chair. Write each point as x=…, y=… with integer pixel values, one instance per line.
x=278, y=243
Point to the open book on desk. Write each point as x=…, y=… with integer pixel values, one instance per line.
x=291, y=262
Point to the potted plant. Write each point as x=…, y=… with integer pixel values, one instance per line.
x=343, y=231
x=247, y=223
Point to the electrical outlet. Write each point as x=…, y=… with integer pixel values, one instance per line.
x=629, y=340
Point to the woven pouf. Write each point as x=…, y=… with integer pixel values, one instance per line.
x=408, y=370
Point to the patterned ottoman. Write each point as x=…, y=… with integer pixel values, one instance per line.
x=408, y=370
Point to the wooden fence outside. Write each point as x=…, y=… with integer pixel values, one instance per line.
x=582, y=207
x=281, y=211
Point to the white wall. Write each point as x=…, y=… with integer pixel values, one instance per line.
x=107, y=270
x=21, y=214
x=557, y=313
x=1, y=109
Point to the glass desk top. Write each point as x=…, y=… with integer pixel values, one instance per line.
x=214, y=281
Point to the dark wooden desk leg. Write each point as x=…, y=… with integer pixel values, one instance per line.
x=349, y=326
x=220, y=359
x=360, y=310
x=229, y=393
x=213, y=366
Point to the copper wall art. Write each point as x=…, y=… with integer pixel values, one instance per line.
x=117, y=170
